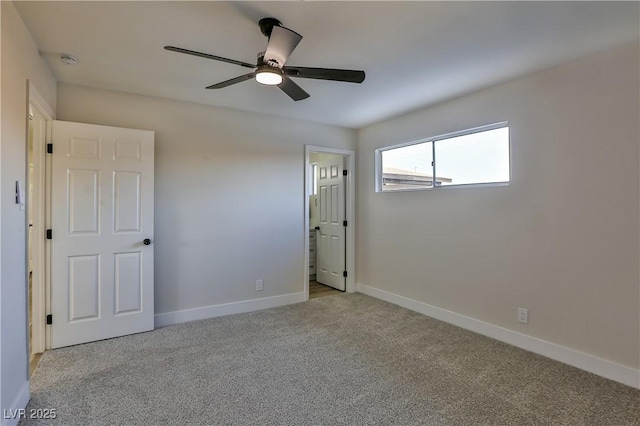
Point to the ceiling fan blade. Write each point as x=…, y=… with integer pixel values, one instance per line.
x=349, y=76
x=294, y=91
x=281, y=43
x=208, y=56
x=239, y=79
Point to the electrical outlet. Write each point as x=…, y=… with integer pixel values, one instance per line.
x=523, y=315
x=259, y=285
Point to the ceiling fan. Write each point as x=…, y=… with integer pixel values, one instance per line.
x=270, y=68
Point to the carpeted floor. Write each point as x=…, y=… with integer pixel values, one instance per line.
x=344, y=359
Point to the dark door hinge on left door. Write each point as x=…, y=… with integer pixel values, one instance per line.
x=49, y=148
x=49, y=319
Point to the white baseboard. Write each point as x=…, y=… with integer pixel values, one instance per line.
x=10, y=416
x=176, y=317
x=590, y=363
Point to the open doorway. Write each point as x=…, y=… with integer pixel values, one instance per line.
x=329, y=207
x=39, y=118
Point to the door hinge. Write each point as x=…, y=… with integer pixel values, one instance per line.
x=344, y=173
x=49, y=319
x=344, y=274
x=49, y=148
x=49, y=234
x=344, y=223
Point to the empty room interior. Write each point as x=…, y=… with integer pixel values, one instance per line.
x=320, y=212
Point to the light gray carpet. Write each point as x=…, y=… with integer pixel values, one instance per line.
x=344, y=359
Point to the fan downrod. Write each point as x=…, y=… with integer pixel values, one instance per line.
x=267, y=24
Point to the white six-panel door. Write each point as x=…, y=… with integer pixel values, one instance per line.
x=101, y=213
x=331, y=236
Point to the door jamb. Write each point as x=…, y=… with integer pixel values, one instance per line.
x=40, y=289
x=350, y=248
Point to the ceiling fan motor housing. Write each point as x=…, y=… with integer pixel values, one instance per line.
x=270, y=62
x=267, y=24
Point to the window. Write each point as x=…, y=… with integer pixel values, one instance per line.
x=470, y=157
x=313, y=181
x=408, y=167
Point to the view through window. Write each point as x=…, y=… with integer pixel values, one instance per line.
x=477, y=156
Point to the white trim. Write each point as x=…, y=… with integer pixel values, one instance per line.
x=19, y=403
x=41, y=295
x=36, y=212
x=350, y=156
x=608, y=369
x=177, y=317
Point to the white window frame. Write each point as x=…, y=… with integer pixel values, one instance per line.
x=378, y=159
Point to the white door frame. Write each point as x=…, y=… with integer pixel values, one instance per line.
x=40, y=300
x=350, y=233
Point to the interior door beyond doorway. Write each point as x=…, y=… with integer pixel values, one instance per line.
x=331, y=264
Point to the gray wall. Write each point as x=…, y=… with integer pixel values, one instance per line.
x=560, y=240
x=20, y=61
x=229, y=194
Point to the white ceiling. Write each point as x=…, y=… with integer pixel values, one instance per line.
x=415, y=54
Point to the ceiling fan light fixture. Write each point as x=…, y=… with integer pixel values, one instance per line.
x=269, y=76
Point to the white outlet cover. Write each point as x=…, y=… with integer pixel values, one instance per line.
x=523, y=315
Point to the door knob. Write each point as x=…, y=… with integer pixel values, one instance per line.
x=146, y=241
